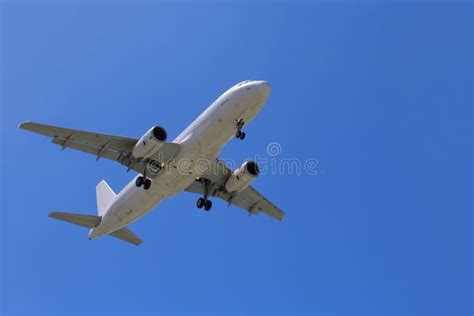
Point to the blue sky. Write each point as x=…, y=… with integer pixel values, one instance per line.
x=379, y=92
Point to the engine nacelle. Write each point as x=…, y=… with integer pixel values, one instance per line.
x=242, y=177
x=149, y=143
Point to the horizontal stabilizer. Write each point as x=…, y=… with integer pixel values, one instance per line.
x=78, y=219
x=126, y=235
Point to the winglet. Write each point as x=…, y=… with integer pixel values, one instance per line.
x=23, y=125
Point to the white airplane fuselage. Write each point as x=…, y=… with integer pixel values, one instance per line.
x=200, y=142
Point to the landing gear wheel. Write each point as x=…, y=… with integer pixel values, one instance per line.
x=208, y=205
x=147, y=184
x=238, y=134
x=201, y=203
x=242, y=135
x=140, y=181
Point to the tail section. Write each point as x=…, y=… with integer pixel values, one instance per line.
x=105, y=196
x=91, y=221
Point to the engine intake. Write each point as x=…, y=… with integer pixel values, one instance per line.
x=149, y=143
x=159, y=133
x=242, y=177
x=252, y=168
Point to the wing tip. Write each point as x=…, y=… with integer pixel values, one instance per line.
x=23, y=125
x=53, y=214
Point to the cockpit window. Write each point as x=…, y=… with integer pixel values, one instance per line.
x=243, y=82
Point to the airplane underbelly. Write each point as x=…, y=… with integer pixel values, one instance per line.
x=178, y=180
x=213, y=141
x=131, y=204
x=198, y=150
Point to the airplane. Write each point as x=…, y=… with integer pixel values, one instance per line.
x=189, y=163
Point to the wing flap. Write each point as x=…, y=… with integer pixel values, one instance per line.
x=93, y=150
x=126, y=235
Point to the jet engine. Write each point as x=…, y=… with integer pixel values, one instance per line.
x=149, y=143
x=242, y=177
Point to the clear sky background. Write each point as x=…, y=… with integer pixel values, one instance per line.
x=379, y=92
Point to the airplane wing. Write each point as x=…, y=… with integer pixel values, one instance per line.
x=116, y=148
x=249, y=199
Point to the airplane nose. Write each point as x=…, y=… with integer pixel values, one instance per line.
x=263, y=88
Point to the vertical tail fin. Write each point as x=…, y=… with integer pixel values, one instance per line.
x=105, y=196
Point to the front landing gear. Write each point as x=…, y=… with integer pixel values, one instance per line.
x=239, y=134
x=143, y=181
x=203, y=203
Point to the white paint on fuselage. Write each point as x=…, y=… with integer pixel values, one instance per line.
x=202, y=140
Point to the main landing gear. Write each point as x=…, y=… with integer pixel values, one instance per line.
x=239, y=134
x=143, y=181
x=204, y=203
